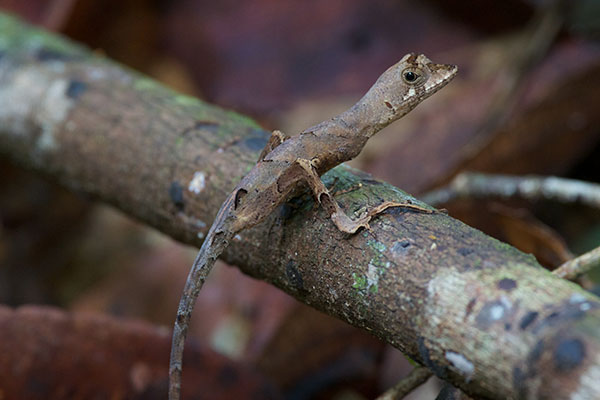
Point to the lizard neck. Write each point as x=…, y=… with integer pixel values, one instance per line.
x=373, y=112
x=349, y=132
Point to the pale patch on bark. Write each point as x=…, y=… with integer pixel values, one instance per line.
x=53, y=110
x=588, y=382
x=18, y=97
x=198, y=182
x=372, y=277
x=461, y=363
x=32, y=90
x=577, y=298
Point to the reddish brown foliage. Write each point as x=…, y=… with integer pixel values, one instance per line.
x=50, y=354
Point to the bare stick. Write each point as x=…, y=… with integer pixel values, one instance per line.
x=533, y=188
x=416, y=378
x=578, y=266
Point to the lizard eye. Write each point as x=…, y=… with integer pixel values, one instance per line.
x=410, y=76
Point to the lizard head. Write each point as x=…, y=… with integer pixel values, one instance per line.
x=412, y=80
x=405, y=84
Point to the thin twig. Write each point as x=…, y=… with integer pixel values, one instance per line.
x=533, y=188
x=416, y=378
x=578, y=266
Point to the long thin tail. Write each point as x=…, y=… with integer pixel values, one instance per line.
x=214, y=244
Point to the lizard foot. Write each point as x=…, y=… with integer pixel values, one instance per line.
x=349, y=225
x=388, y=204
x=338, y=216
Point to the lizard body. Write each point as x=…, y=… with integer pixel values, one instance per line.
x=289, y=165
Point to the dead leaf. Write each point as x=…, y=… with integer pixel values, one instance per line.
x=50, y=354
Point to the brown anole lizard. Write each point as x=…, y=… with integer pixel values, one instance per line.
x=288, y=165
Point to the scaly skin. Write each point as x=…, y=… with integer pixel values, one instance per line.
x=288, y=165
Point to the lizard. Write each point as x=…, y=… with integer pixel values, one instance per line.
x=288, y=165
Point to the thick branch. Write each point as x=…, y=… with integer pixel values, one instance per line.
x=475, y=311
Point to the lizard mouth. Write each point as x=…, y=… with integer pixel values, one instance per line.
x=443, y=71
x=443, y=74
x=448, y=71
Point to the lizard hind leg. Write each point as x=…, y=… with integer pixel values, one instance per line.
x=338, y=216
x=321, y=193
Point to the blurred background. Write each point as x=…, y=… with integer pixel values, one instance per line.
x=527, y=101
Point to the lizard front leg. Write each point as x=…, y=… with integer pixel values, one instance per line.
x=277, y=137
x=337, y=215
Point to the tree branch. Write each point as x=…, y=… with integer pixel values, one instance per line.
x=473, y=310
x=531, y=187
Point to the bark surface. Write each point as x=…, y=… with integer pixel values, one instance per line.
x=475, y=311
